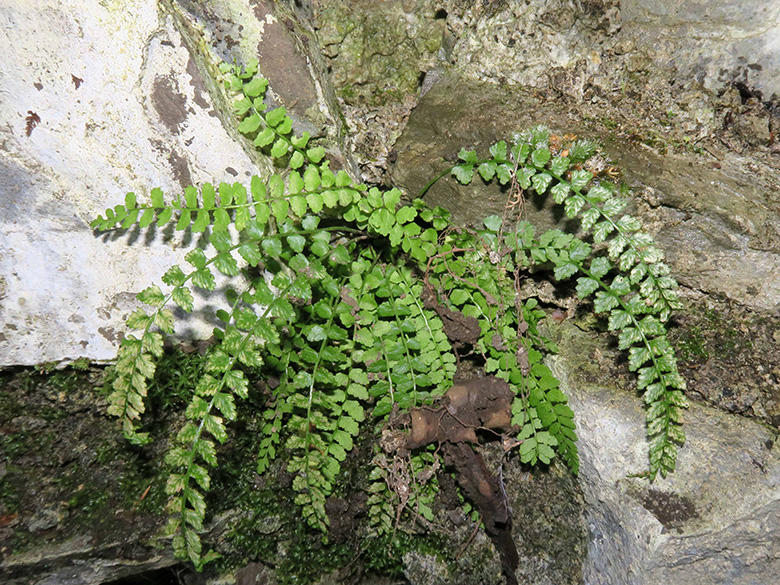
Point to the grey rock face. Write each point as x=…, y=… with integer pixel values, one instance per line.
x=713, y=41
x=99, y=101
x=714, y=521
x=379, y=57
x=701, y=68
x=716, y=221
x=573, y=45
x=121, y=108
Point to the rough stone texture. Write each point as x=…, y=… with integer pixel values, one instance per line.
x=380, y=56
x=69, y=566
x=717, y=221
x=121, y=109
x=549, y=520
x=714, y=42
x=730, y=358
x=666, y=73
x=714, y=521
x=77, y=503
x=670, y=56
x=711, y=42
x=104, y=99
x=378, y=53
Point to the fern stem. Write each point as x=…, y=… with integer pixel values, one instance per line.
x=404, y=342
x=199, y=432
x=431, y=183
x=315, y=368
x=151, y=320
x=443, y=174
x=415, y=296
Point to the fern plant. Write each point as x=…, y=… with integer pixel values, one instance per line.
x=622, y=266
x=360, y=306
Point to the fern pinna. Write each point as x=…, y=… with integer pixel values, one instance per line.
x=347, y=296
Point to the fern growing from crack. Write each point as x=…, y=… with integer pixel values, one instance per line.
x=364, y=305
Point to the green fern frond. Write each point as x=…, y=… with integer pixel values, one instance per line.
x=213, y=402
x=639, y=298
x=366, y=304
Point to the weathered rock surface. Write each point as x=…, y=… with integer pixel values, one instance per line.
x=678, y=92
x=714, y=521
x=378, y=58
x=713, y=42
x=730, y=358
x=669, y=73
x=104, y=99
x=98, y=102
x=77, y=503
x=718, y=220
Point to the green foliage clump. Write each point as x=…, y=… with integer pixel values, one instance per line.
x=621, y=268
x=344, y=297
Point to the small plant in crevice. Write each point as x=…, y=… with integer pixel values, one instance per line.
x=358, y=308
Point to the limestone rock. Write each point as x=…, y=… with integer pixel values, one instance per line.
x=380, y=56
x=714, y=520
x=569, y=45
x=714, y=41
x=670, y=59
x=121, y=108
x=66, y=565
x=104, y=99
x=716, y=222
